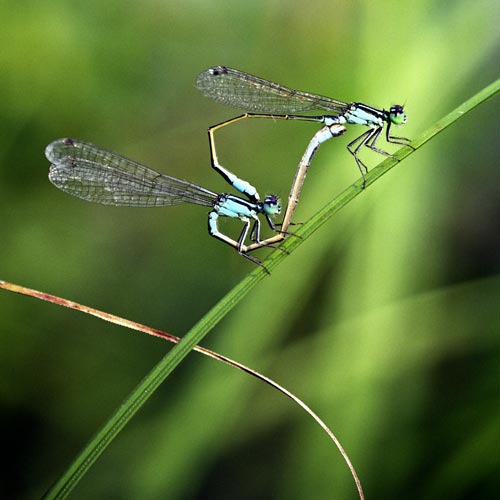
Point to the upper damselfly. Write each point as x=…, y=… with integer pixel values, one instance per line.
x=95, y=174
x=265, y=99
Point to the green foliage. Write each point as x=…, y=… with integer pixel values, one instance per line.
x=385, y=321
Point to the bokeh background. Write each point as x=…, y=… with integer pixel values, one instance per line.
x=386, y=321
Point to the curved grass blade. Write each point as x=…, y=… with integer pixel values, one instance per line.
x=207, y=352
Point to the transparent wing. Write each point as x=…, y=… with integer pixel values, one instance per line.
x=251, y=93
x=94, y=174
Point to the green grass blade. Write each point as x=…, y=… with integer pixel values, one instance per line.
x=150, y=383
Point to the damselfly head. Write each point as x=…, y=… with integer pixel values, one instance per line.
x=271, y=205
x=397, y=115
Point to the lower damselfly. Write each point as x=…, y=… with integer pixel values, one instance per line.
x=95, y=174
x=264, y=99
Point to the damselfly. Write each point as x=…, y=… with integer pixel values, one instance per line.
x=95, y=174
x=265, y=99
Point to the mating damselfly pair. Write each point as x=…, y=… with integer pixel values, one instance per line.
x=95, y=174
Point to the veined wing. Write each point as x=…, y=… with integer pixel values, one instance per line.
x=251, y=93
x=94, y=174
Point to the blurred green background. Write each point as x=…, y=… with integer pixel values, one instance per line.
x=386, y=321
